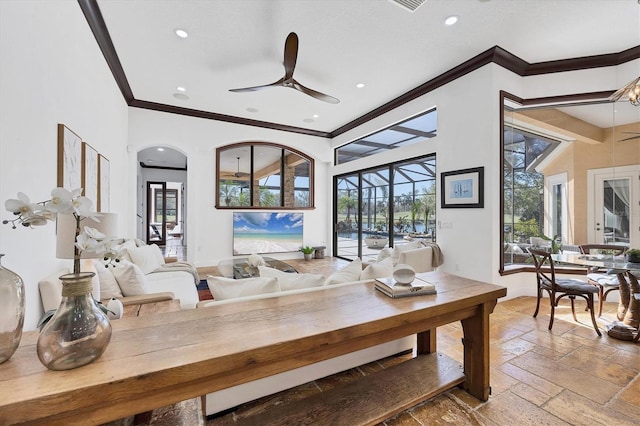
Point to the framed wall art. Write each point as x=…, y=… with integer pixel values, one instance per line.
x=90, y=173
x=462, y=188
x=104, y=176
x=69, y=159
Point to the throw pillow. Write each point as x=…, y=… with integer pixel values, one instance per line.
x=131, y=280
x=384, y=254
x=146, y=257
x=228, y=288
x=108, y=285
x=378, y=270
x=395, y=254
x=347, y=274
x=292, y=281
x=124, y=249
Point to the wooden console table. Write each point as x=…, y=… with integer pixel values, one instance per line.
x=156, y=360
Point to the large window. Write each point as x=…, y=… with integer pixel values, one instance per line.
x=263, y=176
x=384, y=206
x=412, y=130
x=570, y=171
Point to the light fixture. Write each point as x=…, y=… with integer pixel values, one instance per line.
x=315, y=115
x=181, y=89
x=160, y=149
x=631, y=91
x=360, y=85
x=451, y=20
x=182, y=33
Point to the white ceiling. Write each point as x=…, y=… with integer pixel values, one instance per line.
x=240, y=43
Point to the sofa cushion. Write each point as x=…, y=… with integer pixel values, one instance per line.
x=292, y=281
x=131, y=280
x=395, y=254
x=123, y=249
x=384, y=254
x=378, y=270
x=108, y=285
x=351, y=272
x=228, y=288
x=148, y=258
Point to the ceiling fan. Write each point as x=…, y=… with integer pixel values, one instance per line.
x=630, y=138
x=237, y=174
x=290, y=57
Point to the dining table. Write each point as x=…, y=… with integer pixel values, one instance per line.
x=628, y=274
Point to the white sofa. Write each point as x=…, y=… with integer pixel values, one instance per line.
x=142, y=272
x=271, y=287
x=417, y=254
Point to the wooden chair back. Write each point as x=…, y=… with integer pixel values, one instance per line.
x=540, y=257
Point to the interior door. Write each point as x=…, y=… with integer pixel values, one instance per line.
x=157, y=213
x=615, y=217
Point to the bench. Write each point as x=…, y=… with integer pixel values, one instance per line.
x=371, y=399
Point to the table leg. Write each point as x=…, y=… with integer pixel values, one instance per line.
x=625, y=296
x=426, y=342
x=476, y=352
x=632, y=316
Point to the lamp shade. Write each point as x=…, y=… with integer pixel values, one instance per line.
x=66, y=233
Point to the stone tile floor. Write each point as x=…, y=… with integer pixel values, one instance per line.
x=566, y=376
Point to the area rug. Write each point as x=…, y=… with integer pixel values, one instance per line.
x=203, y=291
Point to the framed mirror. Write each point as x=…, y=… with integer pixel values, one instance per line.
x=256, y=175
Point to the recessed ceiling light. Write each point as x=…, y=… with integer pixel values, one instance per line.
x=160, y=149
x=315, y=116
x=182, y=33
x=360, y=85
x=251, y=109
x=451, y=20
x=181, y=89
x=181, y=96
x=308, y=120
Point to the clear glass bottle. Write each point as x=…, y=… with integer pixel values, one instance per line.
x=79, y=332
x=11, y=311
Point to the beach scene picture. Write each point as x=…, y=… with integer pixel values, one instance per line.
x=266, y=232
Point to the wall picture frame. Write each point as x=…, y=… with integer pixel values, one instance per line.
x=462, y=188
x=69, y=158
x=104, y=182
x=90, y=173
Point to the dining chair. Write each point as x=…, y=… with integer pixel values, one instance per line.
x=559, y=288
x=606, y=283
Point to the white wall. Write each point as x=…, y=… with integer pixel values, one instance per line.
x=210, y=230
x=51, y=71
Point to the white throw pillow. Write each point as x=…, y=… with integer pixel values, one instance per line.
x=146, y=257
x=347, y=274
x=228, y=288
x=108, y=285
x=384, y=254
x=395, y=254
x=123, y=249
x=378, y=270
x=131, y=280
x=292, y=281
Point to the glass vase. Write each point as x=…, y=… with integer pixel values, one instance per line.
x=11, y=311
x=79, y=332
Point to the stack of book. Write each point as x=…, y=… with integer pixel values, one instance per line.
x=391, y=288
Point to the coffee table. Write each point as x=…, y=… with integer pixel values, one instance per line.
x=239, y=268
x=156, y=360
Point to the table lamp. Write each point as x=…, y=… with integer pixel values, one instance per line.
x=66, y=237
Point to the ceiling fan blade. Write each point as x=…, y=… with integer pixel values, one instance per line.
x=315, y=93
x=290, y=55
x=256, y=88
x=619, y=93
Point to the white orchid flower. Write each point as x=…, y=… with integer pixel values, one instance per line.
x=60, y=201
x=34, y=220
x=20, y=206
x=82, y=206
x=94, y=233
x=85, y=243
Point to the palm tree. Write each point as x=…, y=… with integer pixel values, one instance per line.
x=348, y=202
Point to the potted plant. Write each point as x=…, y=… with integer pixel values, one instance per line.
x=633, y=255
x=308, y=252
